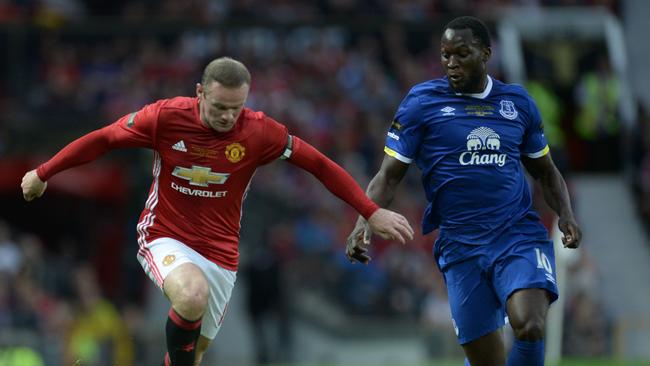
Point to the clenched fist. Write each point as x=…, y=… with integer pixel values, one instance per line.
x=32, y=185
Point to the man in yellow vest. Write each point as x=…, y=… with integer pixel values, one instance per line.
x=597, y=122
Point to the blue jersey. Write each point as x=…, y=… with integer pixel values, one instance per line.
x=468, y=148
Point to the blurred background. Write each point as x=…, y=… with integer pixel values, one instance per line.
x=333, y=71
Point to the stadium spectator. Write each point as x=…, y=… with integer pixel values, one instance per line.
x=97, y=334
x=267, y=299
x=492, y=248
x=597, y=122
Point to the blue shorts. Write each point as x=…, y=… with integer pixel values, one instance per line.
x=481, y=278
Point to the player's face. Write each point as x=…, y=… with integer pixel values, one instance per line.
x=220, y=107
x=464, y=60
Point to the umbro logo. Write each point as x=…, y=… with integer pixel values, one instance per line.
x=448, y=111
x=180, y=146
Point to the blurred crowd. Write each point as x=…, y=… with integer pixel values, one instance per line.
x=53, y=12
x=52, y=306
x=333, y=85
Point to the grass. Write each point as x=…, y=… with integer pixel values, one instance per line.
x=601, y=362
x=565, y=362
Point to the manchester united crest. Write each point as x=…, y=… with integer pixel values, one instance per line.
x=235, y=152
x=169, y=259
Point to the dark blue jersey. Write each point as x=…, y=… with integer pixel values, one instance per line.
x=468, y=148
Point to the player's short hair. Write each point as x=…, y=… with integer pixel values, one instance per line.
x=476, y=25
x=227, y=72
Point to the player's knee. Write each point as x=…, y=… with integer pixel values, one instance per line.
x=194, y=296
x=531, y=329
x=188, y=292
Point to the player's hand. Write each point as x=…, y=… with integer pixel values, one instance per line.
x=32, y=185
x=572, y=233
x=358, y=241
x=390, y=225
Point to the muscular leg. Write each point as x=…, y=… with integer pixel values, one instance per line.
x=201, y=346
x=187, y=289
x=488, y=350
x=527, y=310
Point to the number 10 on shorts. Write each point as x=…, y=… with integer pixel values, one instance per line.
x=542, y=261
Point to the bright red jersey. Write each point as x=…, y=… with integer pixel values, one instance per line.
x=200, y=176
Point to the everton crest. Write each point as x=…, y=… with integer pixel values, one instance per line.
x=508, y=109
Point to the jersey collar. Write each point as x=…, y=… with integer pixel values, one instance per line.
x=484, y=93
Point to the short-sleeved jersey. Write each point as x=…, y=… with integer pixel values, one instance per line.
x=468, y=148
x=200, y=176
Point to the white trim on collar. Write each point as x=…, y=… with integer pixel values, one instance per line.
x=484, y=93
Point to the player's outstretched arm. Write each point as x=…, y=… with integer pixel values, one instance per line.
x=128, y=131
x=556, y=196
x=387, y=224
x=381, y=189
x=32, y=185
x=80, y=151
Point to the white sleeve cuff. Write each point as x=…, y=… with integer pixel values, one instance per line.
x=540, y=153
x=392, y=153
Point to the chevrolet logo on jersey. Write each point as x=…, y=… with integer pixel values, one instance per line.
x=200, y=176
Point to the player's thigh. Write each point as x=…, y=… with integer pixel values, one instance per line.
x=165, y=257
x=475, y=308
x=527, y=309
x=526, y=265
x=488, y=350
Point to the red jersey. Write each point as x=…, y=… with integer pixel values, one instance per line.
x=201, y=176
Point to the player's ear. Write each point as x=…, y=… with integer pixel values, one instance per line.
x=199, y=89
x=486, y=53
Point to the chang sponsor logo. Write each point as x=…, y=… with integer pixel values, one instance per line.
x=479, y=140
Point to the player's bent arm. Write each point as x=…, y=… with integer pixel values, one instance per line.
x=381, y=189
x=556, y=196
x=387, y=224
x=553, y=186
x=335, y=178
x=383, y=185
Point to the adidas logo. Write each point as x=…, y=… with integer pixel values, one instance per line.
x=180, y=146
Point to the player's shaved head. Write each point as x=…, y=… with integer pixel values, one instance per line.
x=478, y=28
x=226, y=71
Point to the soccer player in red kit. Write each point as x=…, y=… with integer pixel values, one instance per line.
x=207, y=149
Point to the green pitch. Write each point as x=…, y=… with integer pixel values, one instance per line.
x=568, y=362
x=600, y=362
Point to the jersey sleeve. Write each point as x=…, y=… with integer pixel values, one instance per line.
x=276, y=136
x=333, y=176
x=534, y=144
x=404, y=135
x=137, y=129
x=133, y=130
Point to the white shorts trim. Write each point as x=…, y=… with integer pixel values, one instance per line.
x=163, y=255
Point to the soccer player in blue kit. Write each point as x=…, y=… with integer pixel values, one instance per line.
x=469, y=135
